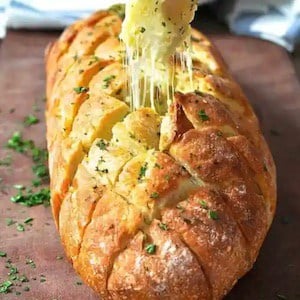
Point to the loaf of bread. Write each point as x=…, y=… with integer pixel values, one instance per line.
x=149, y=206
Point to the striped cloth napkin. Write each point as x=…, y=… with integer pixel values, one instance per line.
x=274, y=20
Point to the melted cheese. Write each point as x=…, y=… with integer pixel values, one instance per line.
x=152, y=31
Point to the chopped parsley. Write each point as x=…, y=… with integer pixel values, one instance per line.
x=203, y=204
x=75, y=57
x=14, y=280
x=213, y=215
x=38, y=155
x=203, y=116
x=17, y=143
x=30, y=120
x=94, y=59
x=101, y=160
x=132, y=136
x=28, y=220
x=163, y=226
x=143, y=170
x=142, y=29
x=23, y=278
x=30, y=198
x=12, y=269
x=167, y=177
x=154, y=195
x=30, y=262
x=107, y=81
x=150, y=248
x=36, y=182
x=41, y=171
x=10, y=222
x=181, y=208
x=5, y=287
x=2, y=254
x=81, y=89
x=102, y=145
x=158, y=166
x=20, y=227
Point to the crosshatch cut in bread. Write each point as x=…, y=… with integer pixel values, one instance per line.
x=172, y=204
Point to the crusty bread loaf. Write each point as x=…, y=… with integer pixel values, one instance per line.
x=149, y=206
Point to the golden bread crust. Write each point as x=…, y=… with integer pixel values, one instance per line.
x=149, y=206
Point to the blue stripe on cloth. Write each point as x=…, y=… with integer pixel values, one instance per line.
x=63, y=17
x=25, y=7
x=293, y=34
x=43, y=15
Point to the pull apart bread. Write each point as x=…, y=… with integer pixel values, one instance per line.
x=149, y=206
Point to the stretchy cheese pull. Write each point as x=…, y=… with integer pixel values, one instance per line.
x=152, y=31
x=157, y=27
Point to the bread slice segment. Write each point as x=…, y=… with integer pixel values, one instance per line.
x=71, y=151
x=161, y=274
x=96, y=118
x=209, y=156
x=113, y=224
x=207, y=227
x=84, y=194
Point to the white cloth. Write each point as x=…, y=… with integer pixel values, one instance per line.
x=274, y=20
